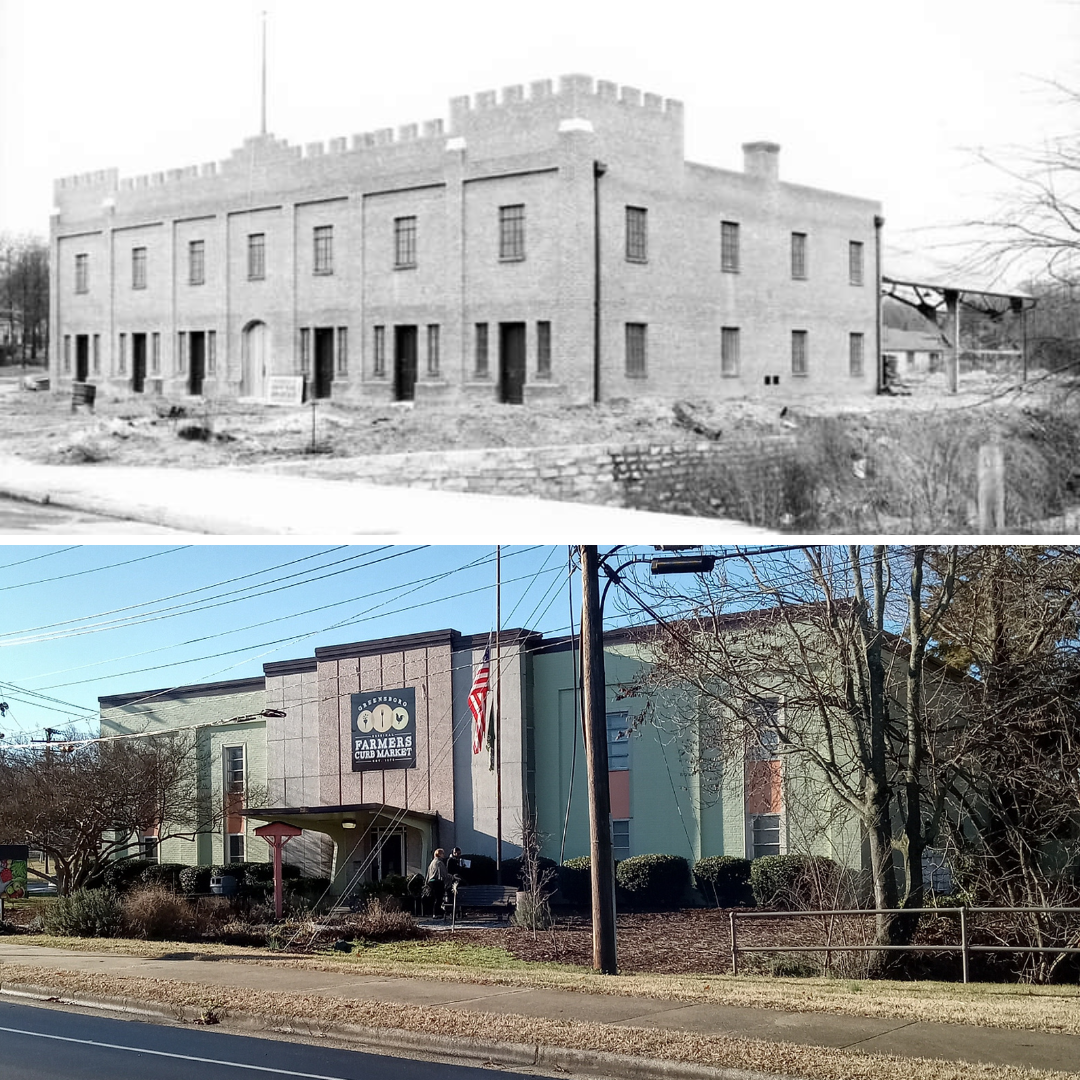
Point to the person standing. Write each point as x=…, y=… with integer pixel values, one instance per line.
x=437, y=878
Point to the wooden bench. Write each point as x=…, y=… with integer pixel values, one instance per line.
x=498, y=898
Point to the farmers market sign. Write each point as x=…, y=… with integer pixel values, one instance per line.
x=384, y=729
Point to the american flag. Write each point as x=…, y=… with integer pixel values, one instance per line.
x=478, y=701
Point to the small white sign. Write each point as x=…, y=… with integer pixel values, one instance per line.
x=285, y=390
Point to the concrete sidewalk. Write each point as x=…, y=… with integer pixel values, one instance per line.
x=905, y=1038
x=234, y=501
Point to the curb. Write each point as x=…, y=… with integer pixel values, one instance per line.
x=397, y=1043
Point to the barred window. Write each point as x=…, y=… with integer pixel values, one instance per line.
x=729, y=350
x=67, y=354
x=324, y=249
x=97, y=354
x=211, y=352
x=855, y=262
x=543, y=350
x=379, y=350
x=343, y=350
x=635, y=350
x=121, y=357
x=481, y=350
x=181, y=352
x=305, y=350
x=197, y=262
x=404, y=243
x=729, y=247
x=82, y=273
x=256, y=256
x=138, y=268
x=433, y=349
x=798, y=255
x=155, y=353
x=856, y=353
x=799, y=350
x=512, y=232
x=637, y=234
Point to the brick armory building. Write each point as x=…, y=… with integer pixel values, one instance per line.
x=548, y=242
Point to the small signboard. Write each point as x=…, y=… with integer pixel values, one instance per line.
x=384, y=729
x=13, y=860
x=285, y=390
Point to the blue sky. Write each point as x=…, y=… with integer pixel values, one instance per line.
x=88, y=621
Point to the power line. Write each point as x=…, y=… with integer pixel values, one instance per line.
x=96, y=569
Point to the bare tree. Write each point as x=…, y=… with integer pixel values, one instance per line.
x=84, y=806
x=24, y=292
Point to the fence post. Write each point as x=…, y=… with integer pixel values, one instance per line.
x=964, y=941
x=990, y=497
x=734, y=945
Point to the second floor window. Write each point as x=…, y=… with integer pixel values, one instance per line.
x=798, y=255
x=404, y=242
x=637, y=234
x=138, y=268
x=729, y=247
x=234, y=770
x=256, y=256
x=618, y=741
x=197, y=262
x=855, y=262
x=512, y=232
x=324, y=249
x=82, y=273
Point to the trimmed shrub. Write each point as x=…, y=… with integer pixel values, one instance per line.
x=156, y=912
x=195, y=879
x=121, y=875
x=166, y=874
x=799, y=882
x=84, y=913
x=725, y=880
x=575, y=883
x=306, y=890
x=653, y=880
x=511, y=869
x=480, y=871
x=393, y=888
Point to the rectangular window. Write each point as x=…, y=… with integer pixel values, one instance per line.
x=305, y=351
x=97, y=354
x=481, y=350
x=766, y=834
x=236, y=847
x=404, y=243
x=324, y=249
x=67, y=354
x=343, y=350
x=799, y=349
x=512, y=232
x=181, y=352
x=798, y=255
x=149, y=848
x=543, y=350
x=618, y=742
x=433, y=349
x=635, y=350
x=380, y=350
x=155, y=354
x=856, y=353
x=729, y=350
x=196, y=262
x=211, y=352
x=729, y=247
x=763, y=729
x=637, y=234
x=138, y=268
x=234, y=770
x=256, y=256
x=855, y=262
x=82, y=273
x=121, y=357
x=620, y=837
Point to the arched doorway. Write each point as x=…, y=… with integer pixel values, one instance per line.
x=255, y=360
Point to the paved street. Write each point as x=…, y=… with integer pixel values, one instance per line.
x=18, y=516
x=42, y=1043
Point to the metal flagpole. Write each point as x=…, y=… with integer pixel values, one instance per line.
x=498, y=714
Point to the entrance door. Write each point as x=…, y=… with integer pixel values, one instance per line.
x=512, y=363
x=138, y=363
x=196, y=361
x=324, y=361
x=255, y=357
x=405, y=363
x=82, y=357
x=390, y=856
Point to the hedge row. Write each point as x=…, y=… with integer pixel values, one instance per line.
x=253, y=879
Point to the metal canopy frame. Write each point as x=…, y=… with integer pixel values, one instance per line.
x=945, y=297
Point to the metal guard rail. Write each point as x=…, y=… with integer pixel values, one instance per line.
x=965, y=948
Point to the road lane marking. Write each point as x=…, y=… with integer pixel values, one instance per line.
x=163, y=1053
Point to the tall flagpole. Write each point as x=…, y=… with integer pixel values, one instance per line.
x=263, y=129
x=498, y=714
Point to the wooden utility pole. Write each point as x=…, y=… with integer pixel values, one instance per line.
x=594, y=696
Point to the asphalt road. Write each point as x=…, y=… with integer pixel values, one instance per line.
x=42, y=1043
x=18, y=516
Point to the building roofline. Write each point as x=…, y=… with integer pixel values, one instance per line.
x=230, y=686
